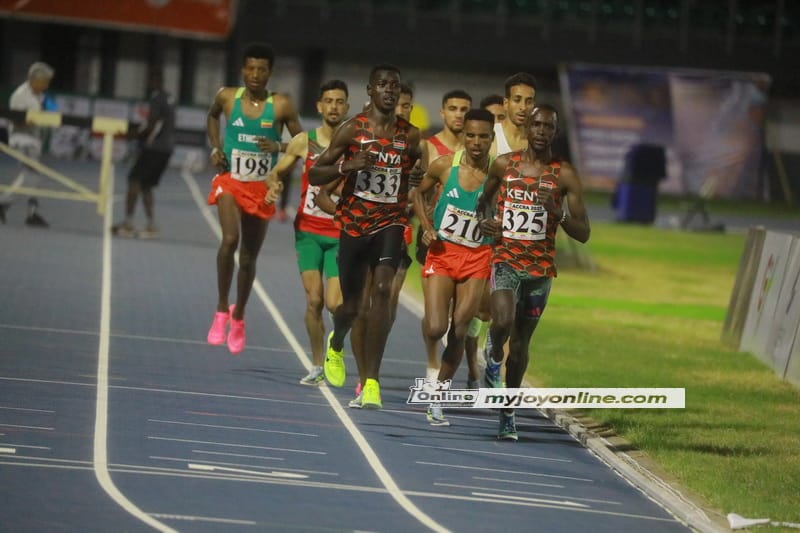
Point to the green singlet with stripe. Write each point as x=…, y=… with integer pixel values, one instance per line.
x=454, y=216
x=247, y=161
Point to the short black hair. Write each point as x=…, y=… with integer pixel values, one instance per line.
x=492, y=99
x=331, y=85
x=259, y=51
x=480, y=114
x=520, y=78
x=380, y=68
x=545, y=107
x=406, y=89
x=456, y=93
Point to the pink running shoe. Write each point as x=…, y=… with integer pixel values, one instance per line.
x=358, y=388
x=218, y=331
x=236, y=337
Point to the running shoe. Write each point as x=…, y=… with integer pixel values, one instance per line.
x=355, y=403
x=236, y=336
x=371, y=395
x=124, y=229
x=335, y=371
x=358, y=388
x=314, y=377
x=436, y=416
x=491, y=374
x=508, y=427
x=218, y=332
x=149, y=232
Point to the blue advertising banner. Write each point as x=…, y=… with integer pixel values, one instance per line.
x=709, y=124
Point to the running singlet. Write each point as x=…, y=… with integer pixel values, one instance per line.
x=528, y=236
x=247, y=161
x=377, y=197
x=441, y=148
x=454, y=216
x=310, y=217
x=502, y=143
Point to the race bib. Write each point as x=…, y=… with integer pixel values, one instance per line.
x=378, y=184
x=461, y=227
x=311, y=208
x=250, y=166
x=524, y=222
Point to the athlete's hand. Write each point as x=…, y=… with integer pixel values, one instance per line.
x=415, y=176
x=218, y=160
x=273, y=192
x=491, y=227
x=428, y=236
x=268, y=145
x=544, y=195
x=362, y=160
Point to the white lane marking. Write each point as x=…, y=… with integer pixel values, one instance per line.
x=502, y=497
x=18, y=426
x=213, y=519
x=517, y=492
x=26, y=410
x=552, y=485
x=238, y=428
x=172, y=439
x=8, y=450
x=223, y=463
x=25, y=446
x=215, y=468
x=249, y=456
x=100, y=459
x=485, y=452
x=496, y=470
x=372, y=458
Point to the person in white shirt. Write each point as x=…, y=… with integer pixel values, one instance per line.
x=27, y=138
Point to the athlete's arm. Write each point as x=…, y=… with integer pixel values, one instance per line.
x=326, y=168
x=217, y=157
x=431, y=178
x=576, y=224
x=324, y=200
x=296, y=149
x=489, y=225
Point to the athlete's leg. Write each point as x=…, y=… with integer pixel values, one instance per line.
x=467, y=298
x=379, y=319
x=254, y=230
x=471, y=340
x=315, y=326
x=438, y=296
x=229, y=216
x=397, y=286
x=431, y=346
x=353, y=269
x=529, y=311
x=358, y=333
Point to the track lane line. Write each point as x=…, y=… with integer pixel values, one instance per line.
x=369, y=454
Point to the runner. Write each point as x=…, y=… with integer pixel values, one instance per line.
x=457, y=264
x=316, y=235
x=244, y=199
x=520, y=96
x=455, y=105
x=530, y=187
x=379, y=151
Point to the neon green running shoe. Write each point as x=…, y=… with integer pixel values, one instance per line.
x=371, y=395
x=335, y=371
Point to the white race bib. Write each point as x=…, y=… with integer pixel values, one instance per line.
x=250, y=166
x=311, y=208
x=461, y=227
x=524, y=222
x=378, y=184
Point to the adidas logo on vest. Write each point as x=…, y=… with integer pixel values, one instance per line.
x=453, y=193
x=238, y=122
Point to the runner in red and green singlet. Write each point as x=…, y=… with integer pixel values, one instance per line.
x=316, y=234
x=531, y=187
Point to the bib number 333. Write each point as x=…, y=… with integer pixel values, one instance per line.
x=378, y=184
